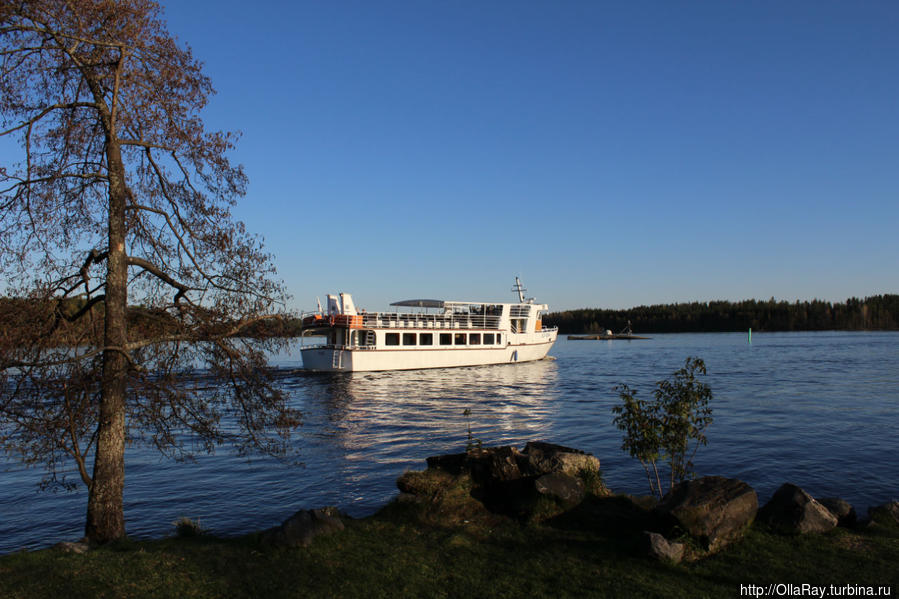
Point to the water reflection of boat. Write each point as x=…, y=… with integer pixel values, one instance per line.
x=393, y=413
x=434, y=334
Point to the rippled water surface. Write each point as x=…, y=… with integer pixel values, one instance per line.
x=817, y=409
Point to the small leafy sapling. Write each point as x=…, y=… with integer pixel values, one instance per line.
x=670, y=428
x=472, y=442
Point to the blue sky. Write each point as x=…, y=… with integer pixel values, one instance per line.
x=612, y=154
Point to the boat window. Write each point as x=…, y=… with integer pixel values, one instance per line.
x=446, y=339
x=408, y=338
x=426, y=339
x=459, y=339
x=392, y=339
x=499, y=339
x=474, y=339
x=488, y=338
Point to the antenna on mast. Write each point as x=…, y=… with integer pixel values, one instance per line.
x=521, y=290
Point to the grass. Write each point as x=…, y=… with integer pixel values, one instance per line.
x=410, y=550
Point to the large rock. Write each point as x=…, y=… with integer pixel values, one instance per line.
x=72, y=547
x=888, y=513
x=506, y=463
x=546, y=458
x=425, y=484
x=843, y=510
x=519, y=483
x=302, y=527
x=793, y=511
x=454, y=463
x=495, y=464
x=564, y=488
x=660, y=548
x=533, y=498
x=713, y=509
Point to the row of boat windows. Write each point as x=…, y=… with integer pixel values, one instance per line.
x=443, y=338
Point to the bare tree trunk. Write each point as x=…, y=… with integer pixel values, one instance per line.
x=105, y=508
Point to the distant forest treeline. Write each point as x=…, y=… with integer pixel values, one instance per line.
x=880, y=312
x=23, y=319
x=47, y=323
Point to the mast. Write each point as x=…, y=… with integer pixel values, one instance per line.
x=521, y=290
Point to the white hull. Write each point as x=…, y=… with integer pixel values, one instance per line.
x=326, y=359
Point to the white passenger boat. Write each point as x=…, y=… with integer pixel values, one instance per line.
x=433, y=334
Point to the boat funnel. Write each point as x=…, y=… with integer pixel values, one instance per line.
x=346, y=304
x=333, y=305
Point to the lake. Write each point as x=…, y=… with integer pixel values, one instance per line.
x=819, y=409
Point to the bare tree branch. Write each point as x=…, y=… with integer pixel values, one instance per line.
x=102, y=343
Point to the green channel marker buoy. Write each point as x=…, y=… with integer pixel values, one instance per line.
x=750, y=335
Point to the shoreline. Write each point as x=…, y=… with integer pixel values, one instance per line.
x=455, y=547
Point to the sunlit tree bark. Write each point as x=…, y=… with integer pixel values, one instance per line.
x=117, y=214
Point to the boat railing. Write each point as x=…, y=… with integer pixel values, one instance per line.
x=398, y=320
x=339, y=346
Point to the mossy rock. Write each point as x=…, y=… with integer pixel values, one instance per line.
x=593, y=483
x=886, y=514
x=424, y=483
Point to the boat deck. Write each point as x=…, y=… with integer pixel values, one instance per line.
x=399, y=320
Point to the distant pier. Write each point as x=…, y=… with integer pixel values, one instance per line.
x=601, y=337
x=626, y=333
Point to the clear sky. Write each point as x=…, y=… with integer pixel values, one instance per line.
x=612, y=154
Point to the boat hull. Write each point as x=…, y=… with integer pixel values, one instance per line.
x=330, y=359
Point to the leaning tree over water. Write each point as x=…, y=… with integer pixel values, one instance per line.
x=122, y=198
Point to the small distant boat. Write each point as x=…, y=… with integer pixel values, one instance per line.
x=626, y=333
x=439, y=334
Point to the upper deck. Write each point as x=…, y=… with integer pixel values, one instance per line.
x=431, y=314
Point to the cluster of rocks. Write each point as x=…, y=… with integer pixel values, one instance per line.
x=695, y=518
x=715, y=511
x=543, y=480
x=296, y=531
x=538, y=481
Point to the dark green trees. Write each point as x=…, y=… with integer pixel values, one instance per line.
x=879, y=312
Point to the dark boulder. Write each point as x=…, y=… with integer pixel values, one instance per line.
x=73, y=547
x=843, y=510
x=424, y=484
x=660, y=548
x=714, y=510
x=453, y=463
x=533, y=498
x=888, y=513
x=793, y=511
x=567, y=490
x=495, y=464
x=546, y=458
x=302, y=527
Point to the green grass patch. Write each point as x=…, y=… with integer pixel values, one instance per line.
x=406, y=551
